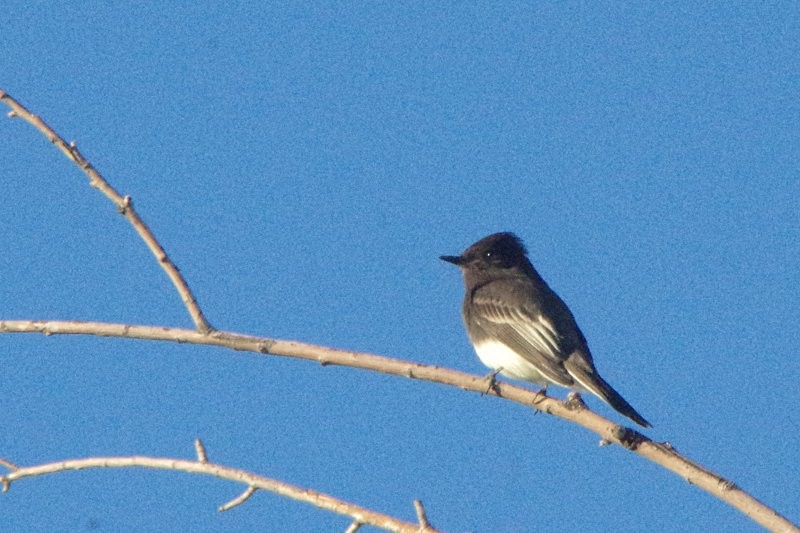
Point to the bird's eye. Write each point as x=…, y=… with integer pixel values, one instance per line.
x=488, y=254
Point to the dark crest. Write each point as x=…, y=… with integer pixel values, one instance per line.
x=499, y=249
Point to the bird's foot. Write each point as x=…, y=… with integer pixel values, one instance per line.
x=540, y=395
x=491, y=382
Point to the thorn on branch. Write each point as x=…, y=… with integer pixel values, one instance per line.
x=200, y=449
x=355, y=526
x=239, y=500
x=422, y=518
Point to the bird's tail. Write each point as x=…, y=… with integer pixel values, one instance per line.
x=587, y=377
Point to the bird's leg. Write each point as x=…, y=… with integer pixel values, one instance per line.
x=491, y=381
x=541, y=393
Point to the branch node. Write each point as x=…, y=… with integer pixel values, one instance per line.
x=630, y=439
x=126, y=204
x=12, y=114
x=422, y=518
x=239, y=500
x=200, y=449
x=265, y=347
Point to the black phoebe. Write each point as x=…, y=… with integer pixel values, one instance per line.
x=520, y=327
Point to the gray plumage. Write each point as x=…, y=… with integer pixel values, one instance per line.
x=519, y=326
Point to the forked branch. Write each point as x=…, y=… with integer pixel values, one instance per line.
x=124, y=206
x=610, y=432
x=254, y=482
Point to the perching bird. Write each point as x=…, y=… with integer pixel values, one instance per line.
x=520, y=327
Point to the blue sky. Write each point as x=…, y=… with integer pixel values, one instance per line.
x=305, y=167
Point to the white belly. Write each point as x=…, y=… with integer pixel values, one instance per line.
x=497, y=355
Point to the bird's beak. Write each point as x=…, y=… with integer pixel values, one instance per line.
x=455, y=259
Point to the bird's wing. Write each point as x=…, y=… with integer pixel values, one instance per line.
x=525, y=330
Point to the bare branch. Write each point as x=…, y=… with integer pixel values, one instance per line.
x=318, y=499
x=124, y=206
x=611, y=432
x=573, y=410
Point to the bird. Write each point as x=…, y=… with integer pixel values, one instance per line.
x=520, y=328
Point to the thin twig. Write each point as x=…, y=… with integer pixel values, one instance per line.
x=8, y=464
x=315, y=498
x=609, y=431
x=124, y=207
x=422, y=518
x=200, y=450
x=353, y=527
x=11, y=466
x=239, y=500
